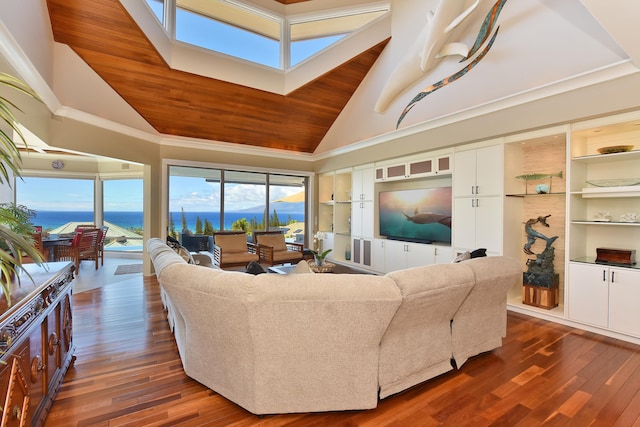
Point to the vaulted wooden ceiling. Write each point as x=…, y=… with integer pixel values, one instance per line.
x=175, y=102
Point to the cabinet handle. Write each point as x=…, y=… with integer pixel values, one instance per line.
x=477, y=190
x=604, y=275
x=613, y=276
x=473, y=203
x=477, y=203
x=472, y=190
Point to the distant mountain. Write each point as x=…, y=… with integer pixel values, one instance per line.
x=293, y=204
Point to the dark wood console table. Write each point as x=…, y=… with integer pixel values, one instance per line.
x=36, y=344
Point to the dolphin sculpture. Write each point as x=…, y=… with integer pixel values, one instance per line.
x=428, y=218
x=428, y=48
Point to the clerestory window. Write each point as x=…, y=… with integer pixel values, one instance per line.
x=247, y=32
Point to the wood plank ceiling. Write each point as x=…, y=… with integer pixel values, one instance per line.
x=178, y=103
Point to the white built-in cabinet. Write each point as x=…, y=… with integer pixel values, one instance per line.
x=425, y=165
x=594, y=204
x=605, y=297
x=391, y=255
x=477, y=201
x=362, y=215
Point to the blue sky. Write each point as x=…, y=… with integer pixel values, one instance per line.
x=192, y=194
x=55, y=194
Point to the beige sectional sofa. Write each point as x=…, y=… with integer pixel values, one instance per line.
x=322, y=342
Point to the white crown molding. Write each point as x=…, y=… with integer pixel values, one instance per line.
x=593, y=77
x=229, y=147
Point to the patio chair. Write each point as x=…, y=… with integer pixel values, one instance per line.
x=231, y=249
x=84, y=246
x=273, y=248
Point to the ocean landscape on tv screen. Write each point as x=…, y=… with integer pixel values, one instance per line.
x=422, y=215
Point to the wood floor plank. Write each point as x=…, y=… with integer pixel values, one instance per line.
x=128, y=373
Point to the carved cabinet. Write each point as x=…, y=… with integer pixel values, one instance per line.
x=36, y=342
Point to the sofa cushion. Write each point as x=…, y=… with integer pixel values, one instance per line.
x=237, y=258
x=232, y=243
x=276, y=241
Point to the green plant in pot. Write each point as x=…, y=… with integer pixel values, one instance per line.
x=15, y=220
x=319, y=257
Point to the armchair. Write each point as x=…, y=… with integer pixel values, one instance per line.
x=273, y=249
x=231, y=249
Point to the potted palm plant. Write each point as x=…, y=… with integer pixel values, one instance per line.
x=15, y=229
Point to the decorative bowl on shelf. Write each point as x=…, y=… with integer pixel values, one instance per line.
x=615, y=149
x=621, y=182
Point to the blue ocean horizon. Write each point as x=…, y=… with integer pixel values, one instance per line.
x=133, y=220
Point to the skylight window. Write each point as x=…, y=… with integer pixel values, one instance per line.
x=203, y=31
x=247, y=32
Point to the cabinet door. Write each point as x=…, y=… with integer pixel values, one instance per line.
x=464, y=223
x=395, y=255
x=489, y=167
x=488, y=223
x=366, y=183
x=396, y=172
x=362, y=219
x=362, y=251
x=464, y=177
x=379, y=174
x=419, y=255
x=418, y=168
x=378, y=263
x=589, y=294
x=624, y=294
x=443, y=164
x=443, y=254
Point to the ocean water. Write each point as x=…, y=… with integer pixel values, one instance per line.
x=133, y=220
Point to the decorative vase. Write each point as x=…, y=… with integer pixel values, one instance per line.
x=319, y=261
x=542, y=189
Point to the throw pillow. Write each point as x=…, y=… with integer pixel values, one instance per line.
x=479, y=253
x=255, y=268
x=302, y=268
x=462, y=257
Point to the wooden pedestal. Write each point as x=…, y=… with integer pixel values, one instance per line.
x=540, y=297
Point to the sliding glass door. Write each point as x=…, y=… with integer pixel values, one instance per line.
x=235, y=200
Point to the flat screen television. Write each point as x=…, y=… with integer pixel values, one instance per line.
x=421, y=215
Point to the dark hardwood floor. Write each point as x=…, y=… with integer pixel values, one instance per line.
x=128, y=373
